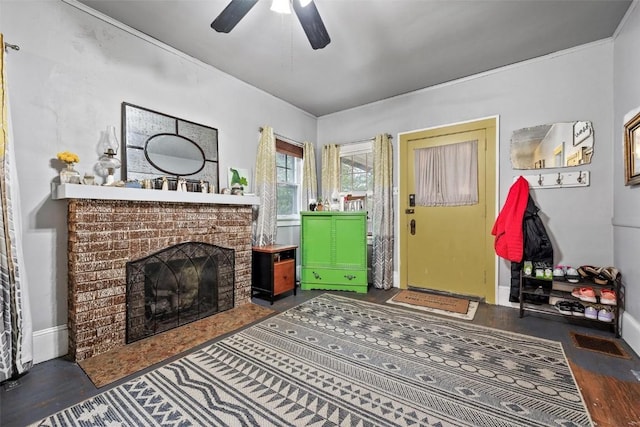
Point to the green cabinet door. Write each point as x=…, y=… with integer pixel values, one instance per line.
x=350, y=241
x=316, y=238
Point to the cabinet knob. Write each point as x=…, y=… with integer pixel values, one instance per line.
x=349, y=276
x=317, y=276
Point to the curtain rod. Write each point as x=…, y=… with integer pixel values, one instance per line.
x=11, y=46
x=293, y=141
x=362, y=140
x=285, y=138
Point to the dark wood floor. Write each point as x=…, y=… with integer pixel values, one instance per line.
x=609, y=385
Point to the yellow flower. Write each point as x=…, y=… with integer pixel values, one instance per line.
x=68, y=157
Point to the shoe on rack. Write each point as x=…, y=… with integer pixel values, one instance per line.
x=577, y=309
x=585, y=294
x=605, y=315
x=609, y=273
x=590, y=312
x=600, y=279
x=558, y=273
x=583, y=272
x=572, y=275
x=599, y=275
x=564, y=307
x=608, y=297
x=591, y=270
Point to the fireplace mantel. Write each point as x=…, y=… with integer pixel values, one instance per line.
x=97, y=192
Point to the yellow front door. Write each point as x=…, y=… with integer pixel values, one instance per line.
x=449, y=248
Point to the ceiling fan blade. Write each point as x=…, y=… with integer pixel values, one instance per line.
x=232, y=14
x=312, y=24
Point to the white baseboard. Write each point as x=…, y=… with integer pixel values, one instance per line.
x=50, y=343
x=631, y=331
x=503, y=297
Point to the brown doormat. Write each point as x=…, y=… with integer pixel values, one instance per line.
x=120, y=362
x=441, y=302
x=601, y=345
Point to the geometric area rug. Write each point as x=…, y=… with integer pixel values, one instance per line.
x=334, y=361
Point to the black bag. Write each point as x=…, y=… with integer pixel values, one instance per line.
x=537, y=245
x=537, y=249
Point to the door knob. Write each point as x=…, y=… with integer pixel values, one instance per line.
x=413, y=227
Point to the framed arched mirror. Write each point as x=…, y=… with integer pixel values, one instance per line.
x=156, y=145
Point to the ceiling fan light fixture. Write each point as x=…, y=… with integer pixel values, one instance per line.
x=281, y=6
x=305, y=10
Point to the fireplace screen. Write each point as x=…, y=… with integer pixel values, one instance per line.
x=178, y=285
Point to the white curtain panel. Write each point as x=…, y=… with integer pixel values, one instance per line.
x=309, y=176
x=330, y=170
x=16, y=331
x=382, y=218
x=447, y=175
x=265, y=223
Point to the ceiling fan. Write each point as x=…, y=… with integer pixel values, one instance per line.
x=308, y=16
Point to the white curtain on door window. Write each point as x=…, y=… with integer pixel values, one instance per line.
x=309, y=176
x=382, y=217
x=265, y=223
x=447, y=175
x=330, y=170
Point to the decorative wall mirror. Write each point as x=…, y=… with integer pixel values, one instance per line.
x=160, y=145
x=556, y=145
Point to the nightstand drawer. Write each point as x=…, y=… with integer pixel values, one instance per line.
x=284, y=276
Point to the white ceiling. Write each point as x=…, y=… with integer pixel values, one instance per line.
x=378, y=49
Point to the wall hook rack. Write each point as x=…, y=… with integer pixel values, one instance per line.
x=558, y=180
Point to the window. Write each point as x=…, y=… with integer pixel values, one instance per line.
x=356, y=170
x=356, y=173
x=288, y=176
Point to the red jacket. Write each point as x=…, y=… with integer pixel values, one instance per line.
x=508, y=226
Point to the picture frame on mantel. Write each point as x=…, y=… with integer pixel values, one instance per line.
x=632, y=151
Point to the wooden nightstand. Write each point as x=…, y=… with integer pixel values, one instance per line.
x=273, y=270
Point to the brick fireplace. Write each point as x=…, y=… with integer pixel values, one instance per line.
x=103, y=235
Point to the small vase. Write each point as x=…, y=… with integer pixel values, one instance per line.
x=69, y=175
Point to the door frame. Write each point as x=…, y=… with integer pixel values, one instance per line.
x=492, y=198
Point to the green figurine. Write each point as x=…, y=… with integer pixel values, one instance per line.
x=237, y=179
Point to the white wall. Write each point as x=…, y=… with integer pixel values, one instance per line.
x=568, y=86
x=626, y=200
x=66, y=85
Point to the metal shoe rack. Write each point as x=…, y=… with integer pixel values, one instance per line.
x=556, y=290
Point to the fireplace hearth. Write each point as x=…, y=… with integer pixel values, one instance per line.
x=176, y=286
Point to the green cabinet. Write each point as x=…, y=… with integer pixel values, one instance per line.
x=334, y=251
